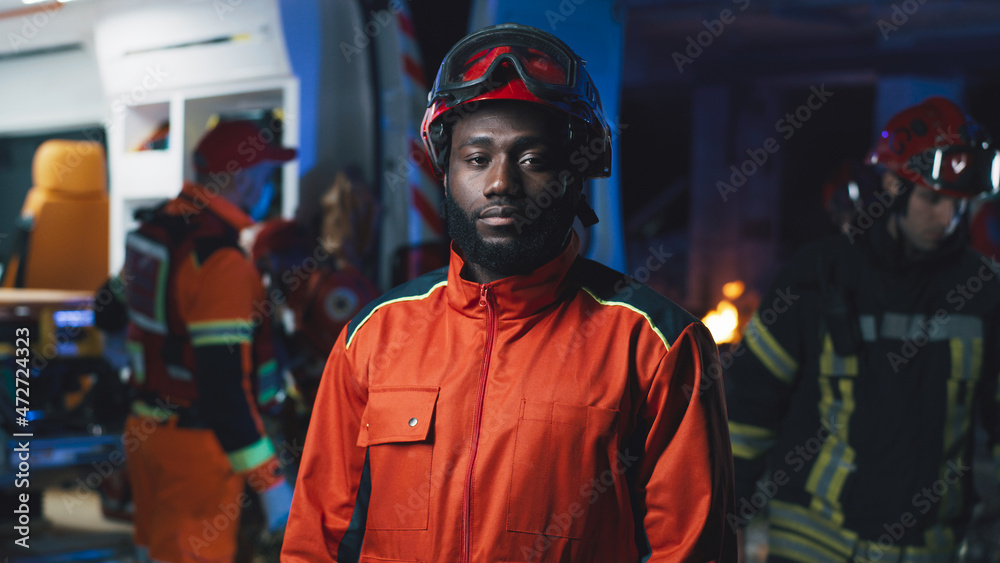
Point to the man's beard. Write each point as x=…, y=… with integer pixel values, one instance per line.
x=536, y=241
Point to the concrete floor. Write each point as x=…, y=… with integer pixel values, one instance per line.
x=72, y=529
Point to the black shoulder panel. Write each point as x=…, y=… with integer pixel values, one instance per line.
x=413, y=288
x=615, y=288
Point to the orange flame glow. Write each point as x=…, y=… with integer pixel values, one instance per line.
x=724, y=321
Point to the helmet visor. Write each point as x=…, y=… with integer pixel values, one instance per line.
x=961, y=171
x=546, y=66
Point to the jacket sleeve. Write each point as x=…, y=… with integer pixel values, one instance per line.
x=328, y=510
x=685, y=478
x=216, y=302
x=761, y=373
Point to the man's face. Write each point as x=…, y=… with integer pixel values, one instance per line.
x=930, y=218
x=248, y=186
x=506, y=203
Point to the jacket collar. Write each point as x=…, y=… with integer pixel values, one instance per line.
x=515, y=296
x=194, y=198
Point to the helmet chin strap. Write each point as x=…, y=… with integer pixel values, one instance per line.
x=585, y=213
x=960, y=207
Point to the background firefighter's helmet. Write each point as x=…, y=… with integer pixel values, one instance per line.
x=847, y=190
x=933, y=144
x=517, y=62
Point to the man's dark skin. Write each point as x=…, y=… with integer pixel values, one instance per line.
x=503, y=157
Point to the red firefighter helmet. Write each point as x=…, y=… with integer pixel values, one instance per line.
x=280, y=237
x=933, y=144
x=517, y=62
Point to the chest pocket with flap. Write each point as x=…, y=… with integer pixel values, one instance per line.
x=396, y=429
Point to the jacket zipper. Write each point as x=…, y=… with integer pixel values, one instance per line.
x=485, y=300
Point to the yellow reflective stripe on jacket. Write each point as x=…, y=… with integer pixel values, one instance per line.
x=749, y=441
x=832, y=364
x=835, y=461
x=803, y=522
x=767, y=349
x=251, y=456
x=803, y=535
x=966, y=364
x=225, y=333
x=798, y=548
x=800, y=534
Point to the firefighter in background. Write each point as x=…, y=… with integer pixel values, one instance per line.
x=202, y=363
x=318, y=278
x=869, y=361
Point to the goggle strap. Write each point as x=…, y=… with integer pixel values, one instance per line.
x=586, y=213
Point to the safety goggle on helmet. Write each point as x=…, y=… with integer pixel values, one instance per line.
x=936, y=146
x=517, y=62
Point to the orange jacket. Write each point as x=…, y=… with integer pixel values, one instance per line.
x=547, y=417
x=197, y=337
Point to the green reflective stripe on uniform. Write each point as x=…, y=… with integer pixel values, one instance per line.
x=227, y=332
x=266, y=395
x=157, y=413
x=797, y=548
x=252, y=455
x=137, y=355
x=748, y=441
x=269, y=381
x=354, y=327
x=804, y=522
x=634, y=309
x=116, y=286
x=767, y=349
x=267, y=368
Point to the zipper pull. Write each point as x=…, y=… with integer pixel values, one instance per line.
x=483, y=290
